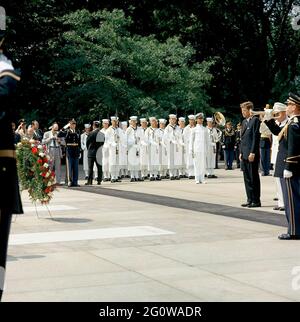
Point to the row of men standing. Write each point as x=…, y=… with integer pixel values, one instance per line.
x=158, y=151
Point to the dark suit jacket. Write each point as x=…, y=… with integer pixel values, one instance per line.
x=92, y=143
x=250, y=138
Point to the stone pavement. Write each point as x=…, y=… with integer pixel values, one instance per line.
x=103, y=245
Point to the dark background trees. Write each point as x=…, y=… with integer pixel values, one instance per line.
x=179, y=56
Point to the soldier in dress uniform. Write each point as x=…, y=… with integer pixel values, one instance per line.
x=172, y=139
x=72, y=140
x=199, y=144
x=144, y=150
x=163, y=156
x=152, y=139
x=115, y=138
x=133, y=144
x=83, y=137
x=105, y=152
x=212, y=150
x=10, y=201
x=93, y=145
x=288, y=164
x=183, y=152
x=186, y=139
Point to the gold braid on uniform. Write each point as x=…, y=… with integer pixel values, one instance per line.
x=229, y=133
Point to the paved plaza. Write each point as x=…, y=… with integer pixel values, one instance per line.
x=153, y=241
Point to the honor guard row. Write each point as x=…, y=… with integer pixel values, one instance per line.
x=157, y=151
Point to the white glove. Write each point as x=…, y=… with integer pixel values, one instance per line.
x=287, y=174
x=268, y=114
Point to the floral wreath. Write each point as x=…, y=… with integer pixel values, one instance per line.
x=34, y=171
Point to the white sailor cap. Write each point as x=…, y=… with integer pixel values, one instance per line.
x=182, y=119
x=209, y=119
x=114, y=118
x=164, y=121
x=87, y=126
x=143, y=120
x=191, y=117
x=172, y=116
x=199, y=115
x=124, y=123
x=105, y=121
x=152, y=118
x=133, y=118
x=279, y=107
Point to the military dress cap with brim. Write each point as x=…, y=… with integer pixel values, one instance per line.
x=105, y=121
x=279, y=107
x=199, y=116
x=294, y=98
x=191, y=117
x=163, y=121
x=172, y=116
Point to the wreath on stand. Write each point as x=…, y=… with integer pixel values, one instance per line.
x=34, y=171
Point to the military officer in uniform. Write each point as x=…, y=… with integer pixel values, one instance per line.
x=288, y=164
x=10, y=201
x=72, y=140
x=83, y=137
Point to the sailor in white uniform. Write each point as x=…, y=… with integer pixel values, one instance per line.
x=124, y=153
x=199, y=144
x=115, y=138
x=105, y=152
x=152, y=138
x=144, y=150
x=183, y=152
x=212, y=148
x=172, y=139
x=186, y=139
x=133, y=145
x=163, y=155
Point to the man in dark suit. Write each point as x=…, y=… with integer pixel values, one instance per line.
x=94, y=141
x=10, y=201
x=249, y=155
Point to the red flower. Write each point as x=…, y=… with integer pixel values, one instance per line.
x=34, y=150
x=40, y=161
x=44, y=174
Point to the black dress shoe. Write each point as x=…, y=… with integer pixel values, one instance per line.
x=246, y=204
x=99, y=183
x=89, y=183
x=113, y=180
x=177, y=178
x=278, y=208
x=152, y=179
x=172, y=178
x=288, y=237
x=275, y=199
x=254, y=205
x=132, y=180
x=214, y=176
x=158, y=178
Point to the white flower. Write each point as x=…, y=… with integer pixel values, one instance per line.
x=41, y=154
x=46, y=165
x=19, y=144
x=40, y=147
x=48, y=174
x=32, y=145
x=49, y=184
